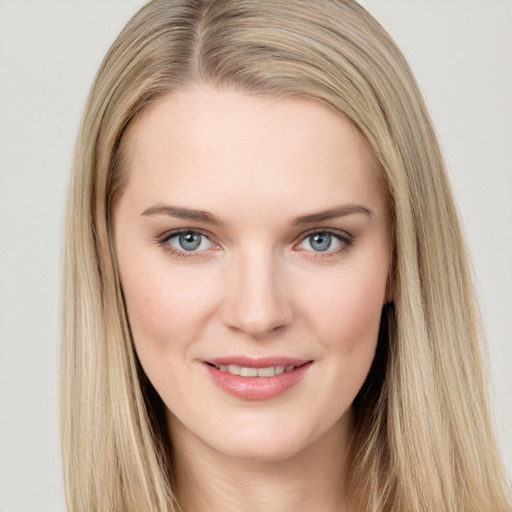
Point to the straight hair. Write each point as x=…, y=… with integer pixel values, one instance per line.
x=423, y=437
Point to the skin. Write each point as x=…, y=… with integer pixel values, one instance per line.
x=256, y=286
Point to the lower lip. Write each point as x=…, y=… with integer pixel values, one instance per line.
x=257, y=388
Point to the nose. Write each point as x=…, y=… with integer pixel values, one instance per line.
x=258, y=301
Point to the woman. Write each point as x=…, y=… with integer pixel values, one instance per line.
x=267, y=299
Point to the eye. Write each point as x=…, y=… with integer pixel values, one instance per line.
x=319, y=242
x=187, y=241
x=325, y=242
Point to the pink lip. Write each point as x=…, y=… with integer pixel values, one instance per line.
x=258, y=362
x=257, y=388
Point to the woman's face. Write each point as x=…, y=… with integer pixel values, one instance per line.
x=253, y=241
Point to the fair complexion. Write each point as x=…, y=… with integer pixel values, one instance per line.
x=253, y=232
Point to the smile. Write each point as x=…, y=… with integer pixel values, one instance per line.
x=246, y=371
x=257, y=378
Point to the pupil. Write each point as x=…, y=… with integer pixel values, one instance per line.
x=320, y=241
x=190, y=241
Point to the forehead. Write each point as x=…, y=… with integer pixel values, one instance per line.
x=206, y=146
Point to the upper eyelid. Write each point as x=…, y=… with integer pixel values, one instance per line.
x=336, y=232
x=175, y=232
x=339, y=233
x=163, y=242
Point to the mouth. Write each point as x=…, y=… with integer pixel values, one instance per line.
x=257, y=379
x=248, y=371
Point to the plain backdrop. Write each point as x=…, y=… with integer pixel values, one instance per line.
x=461, y=52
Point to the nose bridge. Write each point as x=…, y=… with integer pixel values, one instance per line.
x=258, y=301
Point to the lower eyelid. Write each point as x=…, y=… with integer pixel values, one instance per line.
x=345, y=239
x=175, y=252
x=326, y=255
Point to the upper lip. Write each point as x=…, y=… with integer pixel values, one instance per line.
x=257, y=362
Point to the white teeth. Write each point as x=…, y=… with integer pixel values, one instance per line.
x=266, y=372
x=232, y=368
x=245, y=371
x=278, y=370
x=248, y=372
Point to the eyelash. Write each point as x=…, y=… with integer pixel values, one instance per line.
x=176, y=253
x=346, y=240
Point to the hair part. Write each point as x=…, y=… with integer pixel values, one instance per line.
x=423, y=438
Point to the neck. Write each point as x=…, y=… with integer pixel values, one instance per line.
x=312, y=479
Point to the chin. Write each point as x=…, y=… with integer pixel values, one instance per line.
x=262, y=448
x=261, y=438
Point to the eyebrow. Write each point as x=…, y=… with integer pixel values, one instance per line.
x=338, y=211
x=210, y=218
x=183, y=213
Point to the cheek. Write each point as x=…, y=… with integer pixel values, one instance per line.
x=346, y=319
x=166, y=308
x=348, y=310
x=166, y=311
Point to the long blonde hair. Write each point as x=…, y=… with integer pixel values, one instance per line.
x=423, y=438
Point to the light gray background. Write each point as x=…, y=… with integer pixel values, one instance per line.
x=461, y=52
